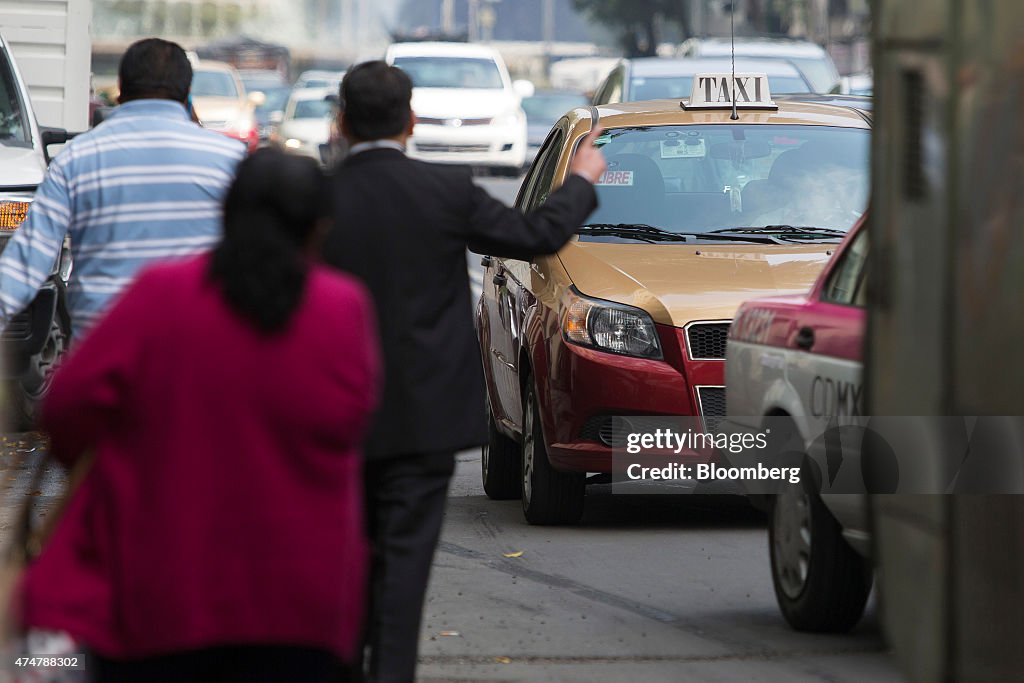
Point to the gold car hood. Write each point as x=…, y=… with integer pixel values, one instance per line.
x=678, y=283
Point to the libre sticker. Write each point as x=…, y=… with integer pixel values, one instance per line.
x=615, y=179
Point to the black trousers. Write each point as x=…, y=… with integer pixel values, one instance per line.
x=405, y=500
x=229, y=664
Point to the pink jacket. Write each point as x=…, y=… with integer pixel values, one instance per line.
x=224, y=505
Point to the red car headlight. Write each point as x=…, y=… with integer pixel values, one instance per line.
x=609, y=326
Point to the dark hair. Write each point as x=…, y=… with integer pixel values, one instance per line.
x=155, y=68
x=270, y=214
x=376, y=99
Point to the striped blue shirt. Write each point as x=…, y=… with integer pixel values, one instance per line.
x=143, y=186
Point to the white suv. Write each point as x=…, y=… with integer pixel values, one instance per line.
x=468, y=109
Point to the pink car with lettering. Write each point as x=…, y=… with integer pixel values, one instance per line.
x=798, y=359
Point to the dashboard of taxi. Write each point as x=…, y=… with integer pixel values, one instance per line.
x=736, y=182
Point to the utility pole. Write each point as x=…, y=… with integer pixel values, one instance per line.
x=548, y=32
x=474, y=21
x=448, y=17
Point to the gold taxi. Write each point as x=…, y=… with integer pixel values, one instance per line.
x=703, y=206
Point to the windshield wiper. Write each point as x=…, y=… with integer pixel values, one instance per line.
x=650, y=233
x=640, y=231
x=792, y=232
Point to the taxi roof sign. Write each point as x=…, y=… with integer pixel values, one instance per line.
x=718, y=90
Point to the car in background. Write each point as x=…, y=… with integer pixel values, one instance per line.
x=583, y=74
x=863, y=104
x=468, y=110
x=34, y=339
x=786, y=360
x=543, y=109
x=697, y=213
x=320, y=79
x=857, y=84
x=657, y=78
x=221, y=102
x=812, y=60
x=305, y=127
x=274, y=91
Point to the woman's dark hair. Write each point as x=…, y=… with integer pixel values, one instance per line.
x=155, y=68
x=376, y=99
x=270, y=215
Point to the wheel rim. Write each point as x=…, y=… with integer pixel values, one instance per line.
x=528, y=449
x=43, y=363
x=791, y=522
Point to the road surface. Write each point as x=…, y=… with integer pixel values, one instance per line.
x=652, y=588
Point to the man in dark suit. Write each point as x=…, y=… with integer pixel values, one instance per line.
x=403, y=227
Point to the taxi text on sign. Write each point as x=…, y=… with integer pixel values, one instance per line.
x=717, y=91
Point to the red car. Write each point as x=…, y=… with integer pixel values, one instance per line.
x=697, y=213
x=798, y=359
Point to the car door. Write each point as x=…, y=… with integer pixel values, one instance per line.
x=507, y=296
x=826, y=342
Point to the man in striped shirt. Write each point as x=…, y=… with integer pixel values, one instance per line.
x=143, y=186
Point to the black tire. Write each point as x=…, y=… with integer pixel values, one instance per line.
x=22, y=397
x=19, y=407
x=499, y=464
x=821, y=583
x=549, y=496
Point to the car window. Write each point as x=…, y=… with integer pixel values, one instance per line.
x=818, y=71
x=13, y=121
x=451, y=72
x=312, y=109
x=726, y=176
x=546, y=171
x=847, y=281
x=547, y=109
x=547, y=159
x=660, y=88
x=213, y=84
x=788, y=85
x=679, y=87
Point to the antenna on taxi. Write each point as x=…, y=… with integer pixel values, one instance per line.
x=732, y=37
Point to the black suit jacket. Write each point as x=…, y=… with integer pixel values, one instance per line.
x=402, y=227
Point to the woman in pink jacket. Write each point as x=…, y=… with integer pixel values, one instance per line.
x=218, y=535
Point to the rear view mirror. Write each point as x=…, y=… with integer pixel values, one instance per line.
x=740, y=150
x=53, y=136
x=524, y=88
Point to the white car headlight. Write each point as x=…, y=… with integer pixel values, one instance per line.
x=293, y=143
x=511, y=118
x=609, y=326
